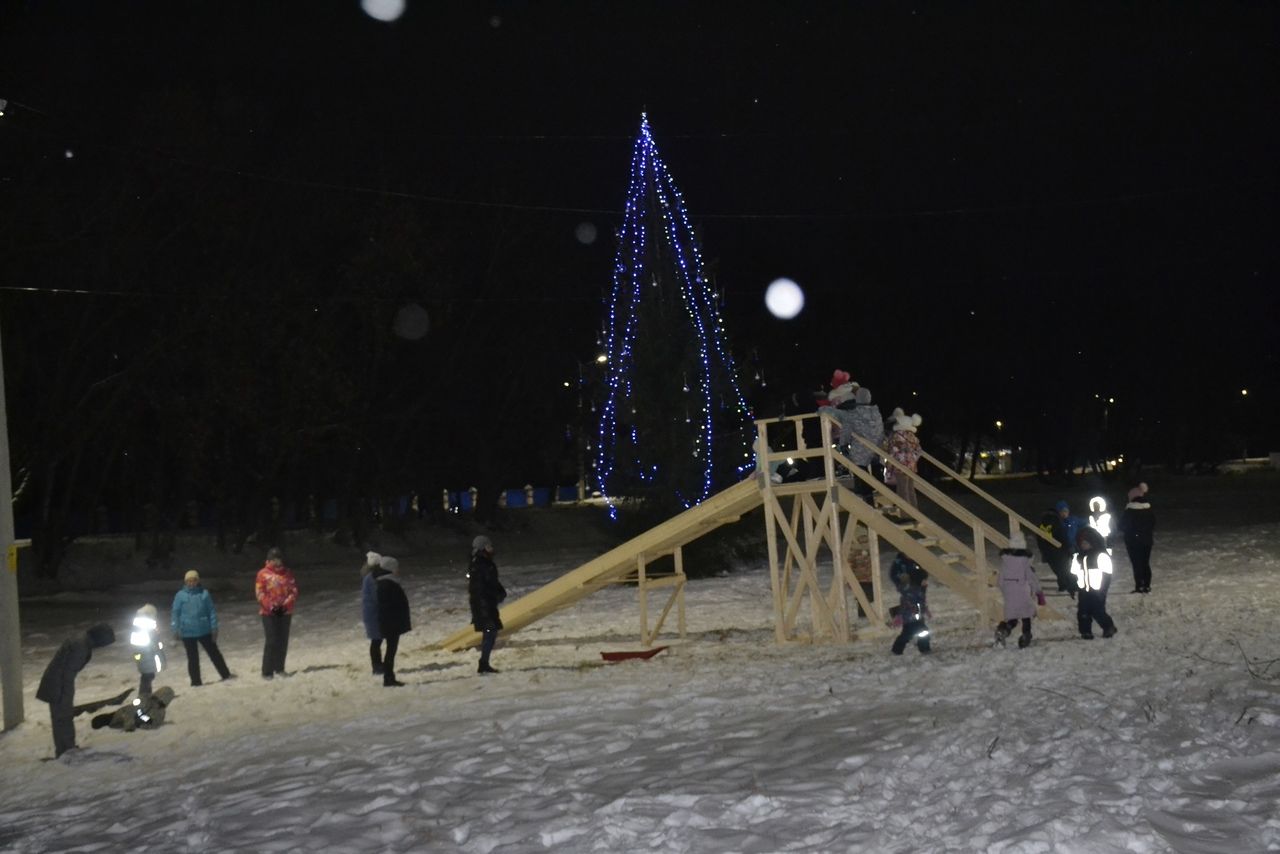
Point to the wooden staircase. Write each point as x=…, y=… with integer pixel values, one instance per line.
x=826, y=518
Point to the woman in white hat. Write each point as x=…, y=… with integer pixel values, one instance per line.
x=194, y=621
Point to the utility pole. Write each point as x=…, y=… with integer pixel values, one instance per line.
x=10, y=637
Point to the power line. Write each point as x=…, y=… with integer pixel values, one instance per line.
x=258, y=296
x=926, y=213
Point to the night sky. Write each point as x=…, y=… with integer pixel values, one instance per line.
x=1006, y=209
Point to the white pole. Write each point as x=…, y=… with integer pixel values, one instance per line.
x=10, y=637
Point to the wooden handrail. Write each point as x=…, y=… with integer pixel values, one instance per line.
x=1035, y=529
x=939, y=497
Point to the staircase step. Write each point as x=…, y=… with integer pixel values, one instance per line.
x=951, y=557
x=927, y=541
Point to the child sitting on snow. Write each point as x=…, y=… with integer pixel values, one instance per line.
x=1018, y=584
x=913, y=587
x=143, y=713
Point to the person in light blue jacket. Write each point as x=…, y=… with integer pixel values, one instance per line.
x=195, y=622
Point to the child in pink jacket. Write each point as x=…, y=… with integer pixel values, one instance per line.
x=1020, y=588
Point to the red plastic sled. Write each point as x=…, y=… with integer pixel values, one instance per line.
x=624, y=656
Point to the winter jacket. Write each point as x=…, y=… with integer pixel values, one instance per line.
x=1071, y=526
x=903, y=446
x=1018, y=584
x=485, y=592
x=275, y=588
x=58, y=684
x=913, y=604
x=1137, y=522
x=1092, y=568
x=148, y=652
x=193, y=614
x=393, y=605
x=369, y=604
x=143, y=713
x=858, y=420
x=1051, y=523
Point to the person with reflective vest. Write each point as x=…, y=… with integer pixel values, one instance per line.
x=148, y=649
x=1100, y=519
x=1092, y=570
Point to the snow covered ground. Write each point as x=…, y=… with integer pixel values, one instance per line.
x=1160, y=739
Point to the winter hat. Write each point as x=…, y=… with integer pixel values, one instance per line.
x=147, y=610
x=842, y=393
x=863, y=396
x=1017, y=541
x=916, y=573
x=481, y=544
x=191, y=575
x=390, y=564
x=1097, y=504
x=1062, y=505
x=372, y=558
x=274, y=553
x=101, y=635
x=902, y=421
x=839, y=378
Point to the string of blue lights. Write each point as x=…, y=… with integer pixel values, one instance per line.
x=657, y=243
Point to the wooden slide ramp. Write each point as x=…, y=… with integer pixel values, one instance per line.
x=621, y=563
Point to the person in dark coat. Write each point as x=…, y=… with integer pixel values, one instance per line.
x=393, y=614
x=1138, y=524
x=1092, y=569
x=143, y=713
x=1064, y=528
x=485, y=593
x=58, y=684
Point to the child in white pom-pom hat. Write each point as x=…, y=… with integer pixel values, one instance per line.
x=1020, y=588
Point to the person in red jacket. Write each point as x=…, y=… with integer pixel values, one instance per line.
x=277, y=592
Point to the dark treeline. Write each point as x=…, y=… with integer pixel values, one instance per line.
x=193, y=335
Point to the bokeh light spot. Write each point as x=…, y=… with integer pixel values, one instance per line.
x=383, y=10
x=784, y=299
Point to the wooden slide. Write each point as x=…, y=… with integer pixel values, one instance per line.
x=624, y=563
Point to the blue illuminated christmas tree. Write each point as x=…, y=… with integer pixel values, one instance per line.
x=674, y=425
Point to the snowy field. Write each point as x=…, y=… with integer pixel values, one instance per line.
x=1165, y=738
